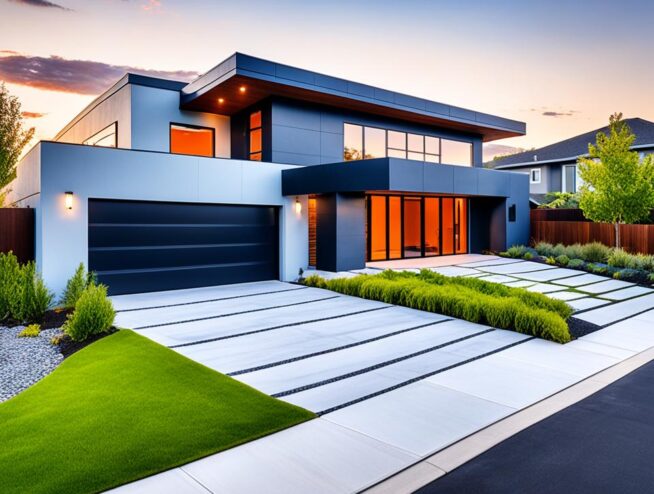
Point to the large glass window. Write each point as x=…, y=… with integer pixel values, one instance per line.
x=412, y=227
x=448, y=225
x=461, y=225
x=377, y=229
x=360, y=142
x=456, y=152
x=394, y=227
x=374, y=142
x=107, y=137
x=189, y=139
x=353, y=142
x=432, y=226
x=256, y=137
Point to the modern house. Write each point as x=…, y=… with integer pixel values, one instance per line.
x=553, y=168
x=256, y=170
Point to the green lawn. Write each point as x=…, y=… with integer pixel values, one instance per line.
x=124, y=408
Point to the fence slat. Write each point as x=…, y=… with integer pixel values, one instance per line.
x=634, y=238
x=17, y=232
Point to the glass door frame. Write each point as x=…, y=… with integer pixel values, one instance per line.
x=422, y=223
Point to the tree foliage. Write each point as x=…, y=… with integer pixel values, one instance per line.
x=618, y=186
x=13, y=137
x=560, y=200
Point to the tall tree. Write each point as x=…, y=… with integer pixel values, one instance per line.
x=13, y=138
x=618, y=186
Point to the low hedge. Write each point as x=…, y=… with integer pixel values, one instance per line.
x=471, y=299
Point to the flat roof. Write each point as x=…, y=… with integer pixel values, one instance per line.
x=263, y=78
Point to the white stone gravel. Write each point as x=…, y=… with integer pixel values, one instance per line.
x=24, y=361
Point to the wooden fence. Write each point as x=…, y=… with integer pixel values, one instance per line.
x=634, y=238
x=17, y=232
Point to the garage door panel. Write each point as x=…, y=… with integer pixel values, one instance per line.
x=128, y=235
x=161, y=212
x=189, y=277
x=142, y=246
x=176, y=256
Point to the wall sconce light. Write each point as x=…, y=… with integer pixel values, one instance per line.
x=242, y=89
x=221, y=101
x=69, y=200
x=298, y=206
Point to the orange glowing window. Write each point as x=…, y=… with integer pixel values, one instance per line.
x=394, y=227
x=377, y=228
x=256, y=136
x=185, y=139
x=448, y=225
x=412, y=227
x=461, y=226
x=432, y=226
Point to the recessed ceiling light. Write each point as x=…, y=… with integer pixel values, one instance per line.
x=242, y=89
x=221, y=100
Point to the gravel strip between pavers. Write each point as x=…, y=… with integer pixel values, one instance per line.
x=24, y=361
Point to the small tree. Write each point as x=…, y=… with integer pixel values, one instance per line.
x=618, y=187
x=13, y=138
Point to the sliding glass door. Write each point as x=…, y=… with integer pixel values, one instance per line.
x=401, y=227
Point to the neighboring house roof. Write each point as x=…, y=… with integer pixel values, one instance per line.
x=537, y=199
x=574, y=147
x=242, y=80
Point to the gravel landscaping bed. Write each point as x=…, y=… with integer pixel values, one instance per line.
x=24, y=361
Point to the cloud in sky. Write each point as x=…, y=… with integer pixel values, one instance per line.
x=32, y=114
x=546, y=112
x=41, y=3
x=72, y=76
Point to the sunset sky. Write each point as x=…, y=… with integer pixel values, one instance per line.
x=561, y=66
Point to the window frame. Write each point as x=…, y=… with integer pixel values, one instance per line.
x=564, y=181
x=531, y=175
x=85, y=142
x=192, y=126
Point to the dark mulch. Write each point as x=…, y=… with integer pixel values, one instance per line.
x=67, y=346
x=579, y=327
x=55, y=318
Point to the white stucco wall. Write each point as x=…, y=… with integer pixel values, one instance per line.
x=154, y=109
x=105, y=173
x=115, y=108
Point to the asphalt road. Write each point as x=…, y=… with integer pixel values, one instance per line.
x=603, y=444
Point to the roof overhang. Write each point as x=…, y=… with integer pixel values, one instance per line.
x=399, y=175
x=219, y=91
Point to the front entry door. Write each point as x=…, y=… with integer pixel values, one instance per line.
x=404, y=227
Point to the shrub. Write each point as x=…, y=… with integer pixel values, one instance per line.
x=575, y=263
x=465, y=298
x=544, y=248
x=31, y=331
x=563, y=260
x=558, y=250
x=551, y=261
x=574, y=251
x=516, y=251
x=620, y=259
x=76, y=285
x=651, y=278
x=23, y=295
x=36, y=298
x=596, y=268
x=10, y=287
x=528, y=256
x=93, y=314
x=595, y=252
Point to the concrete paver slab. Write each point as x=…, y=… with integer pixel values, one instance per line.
x=604, y=286
x=566, y=295
x=455, y=271
x=618, y=310
x=318, y=456
x=420, y=418
x=518, y=267
x=498, y=278
x=626, y=293
x=505, y=381
x=543, y=288
x=587, y=303
x=548, y=274
x=580, y=279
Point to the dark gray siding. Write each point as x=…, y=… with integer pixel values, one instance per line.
x=305, y=134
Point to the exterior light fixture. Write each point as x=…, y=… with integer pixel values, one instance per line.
x=69, y=200
x=221, y=101
x=298, y=206
x=242, y=89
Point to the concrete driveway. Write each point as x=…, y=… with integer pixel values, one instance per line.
x=391, y=385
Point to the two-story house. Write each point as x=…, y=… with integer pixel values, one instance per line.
x=553, y=168
x=257, y=169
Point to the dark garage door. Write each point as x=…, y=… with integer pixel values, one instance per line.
x=149, y=246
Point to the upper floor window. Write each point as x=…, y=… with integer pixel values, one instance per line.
x=107, y=137
x=534, y=176
x=570, y=179
x=189, y=139
x=256, y=137
x=360, y=142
